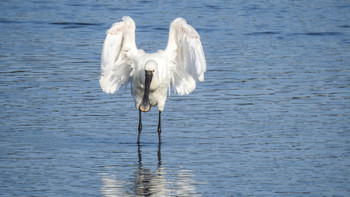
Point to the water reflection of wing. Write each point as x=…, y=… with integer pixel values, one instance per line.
x=111, y=187
x=185, y=184
x=180, y=185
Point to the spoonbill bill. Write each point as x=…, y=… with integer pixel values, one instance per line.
x=180, y=65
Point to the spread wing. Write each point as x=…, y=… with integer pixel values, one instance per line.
x=116, y=59
x=186, y=55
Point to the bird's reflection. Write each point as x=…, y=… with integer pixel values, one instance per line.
x=150, y=183
x=146, y=182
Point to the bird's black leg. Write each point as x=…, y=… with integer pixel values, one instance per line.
x=159, y=127
x=140, y=127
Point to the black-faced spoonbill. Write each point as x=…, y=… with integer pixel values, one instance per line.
x=181, y=64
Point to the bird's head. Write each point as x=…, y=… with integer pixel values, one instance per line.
x=151, y=66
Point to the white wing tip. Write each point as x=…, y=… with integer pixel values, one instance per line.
x=128, y=19
x=201, y=77
x=179, y=19
x=106, y=86
x=118, y=26
x=185, y=90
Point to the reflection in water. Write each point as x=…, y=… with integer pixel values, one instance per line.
x=149, y=183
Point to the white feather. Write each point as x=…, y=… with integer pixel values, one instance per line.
x=185, y=49
x=117, y=55
x=181, y=64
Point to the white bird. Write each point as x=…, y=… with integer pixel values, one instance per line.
x=181, y=65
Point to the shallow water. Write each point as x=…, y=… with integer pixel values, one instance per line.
x=271, y=119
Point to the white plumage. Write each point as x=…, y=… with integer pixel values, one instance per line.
x=181, y=64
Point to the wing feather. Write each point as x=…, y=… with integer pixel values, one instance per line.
x=116, y=59
x=187, y=56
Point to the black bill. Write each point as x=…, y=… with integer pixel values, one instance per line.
x=145, y=105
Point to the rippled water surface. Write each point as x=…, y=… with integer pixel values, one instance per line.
x=271, y=119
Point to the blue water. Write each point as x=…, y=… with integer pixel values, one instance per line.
x=271, y=119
